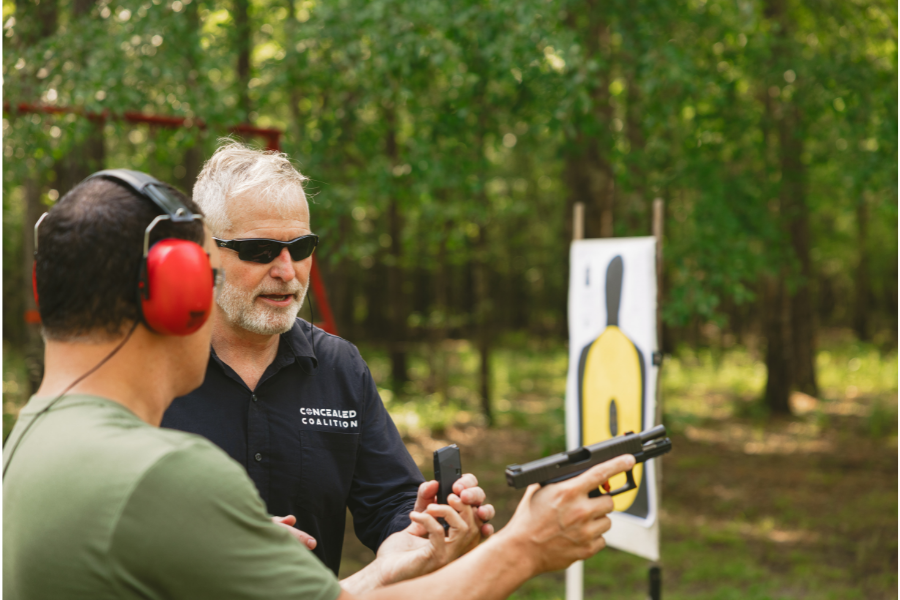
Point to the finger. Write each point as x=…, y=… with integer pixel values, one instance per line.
x=286, y=520
x=603, y=525
x=598, y=544
x=474, y=496
x=464, y=510
x=301, y=536
x=466, y=481
x=487, y=530
x=426, y=494
x=485, y=512
x=435, y=530
x=416, y=529
x=449, y=514
x=602, y=506
x=593, y=477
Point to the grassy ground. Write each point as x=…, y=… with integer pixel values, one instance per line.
x=752, y=507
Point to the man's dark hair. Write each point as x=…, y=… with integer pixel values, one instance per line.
x=90, y=248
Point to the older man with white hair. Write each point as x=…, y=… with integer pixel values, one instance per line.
x=296, y=406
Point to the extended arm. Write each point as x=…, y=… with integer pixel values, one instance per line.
x=553, y=527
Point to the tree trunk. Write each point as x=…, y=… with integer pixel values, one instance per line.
x=396, y=295
x=861, y=304
x=589, y=173
x=37, y=22
x=776, y=309
x=88, y=155
x=294, y=64
x=244, y=44
x=794, y=220
x=193, y=155
x=441, y=310
x=796, y=213
x=483, y=321
x=340, y=282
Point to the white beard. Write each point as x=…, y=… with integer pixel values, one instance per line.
x=241, y=309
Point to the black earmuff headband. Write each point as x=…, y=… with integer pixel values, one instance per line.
x=155, y=191
x=148, y=187
x=152, y=189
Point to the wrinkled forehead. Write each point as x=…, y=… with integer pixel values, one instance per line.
x=253, y=209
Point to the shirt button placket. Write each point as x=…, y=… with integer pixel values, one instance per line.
x=258, y=444
x=256, y=456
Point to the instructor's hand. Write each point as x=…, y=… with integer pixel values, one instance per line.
x=302, y=537
x=466, y=487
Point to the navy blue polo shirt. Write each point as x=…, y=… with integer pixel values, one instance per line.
x=314, y=437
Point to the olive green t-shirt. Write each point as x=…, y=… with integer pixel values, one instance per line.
x=98, y=504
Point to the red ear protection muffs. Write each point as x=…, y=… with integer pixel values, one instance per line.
x=176, y=281
x=176, y=287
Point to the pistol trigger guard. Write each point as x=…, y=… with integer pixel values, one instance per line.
x=629, y=485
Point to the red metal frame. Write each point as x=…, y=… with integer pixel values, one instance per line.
x=271, y=135
x=273, y=142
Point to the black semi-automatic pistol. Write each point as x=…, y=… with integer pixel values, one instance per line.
x=565, y=465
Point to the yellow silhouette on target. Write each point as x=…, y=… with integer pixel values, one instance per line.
x=611, y=390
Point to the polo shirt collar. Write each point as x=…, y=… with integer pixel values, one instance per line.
x=293, y=347
x=297, y=341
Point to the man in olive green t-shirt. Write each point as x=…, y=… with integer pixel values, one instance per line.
x=99, y=502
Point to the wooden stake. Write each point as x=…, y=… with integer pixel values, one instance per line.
x=575, y=573
x=658, y=211
x=655, y=572
x=578, y=221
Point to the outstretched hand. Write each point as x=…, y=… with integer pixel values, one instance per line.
x=405, y=556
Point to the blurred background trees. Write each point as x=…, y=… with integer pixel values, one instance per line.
x=448, y=141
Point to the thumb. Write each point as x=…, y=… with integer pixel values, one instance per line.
x=425, y=495
x=524, y=503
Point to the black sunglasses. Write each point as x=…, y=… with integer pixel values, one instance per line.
x=265, y=251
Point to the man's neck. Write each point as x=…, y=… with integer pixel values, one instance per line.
x=136, y=376
x=248, y=353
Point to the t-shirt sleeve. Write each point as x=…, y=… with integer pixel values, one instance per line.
x=386, y=477
x=195, y=527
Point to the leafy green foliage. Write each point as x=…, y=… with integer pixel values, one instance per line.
x=466, y=115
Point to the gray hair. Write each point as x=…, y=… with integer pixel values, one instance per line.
x=234, y=171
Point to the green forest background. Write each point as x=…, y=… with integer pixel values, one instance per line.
x=447, y=143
